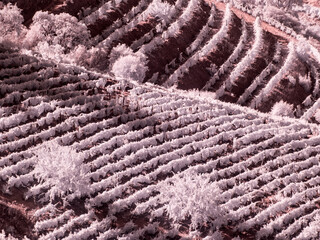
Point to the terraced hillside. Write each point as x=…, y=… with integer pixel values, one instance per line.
x=135, y=140
x=86, y=156
x=203, y=45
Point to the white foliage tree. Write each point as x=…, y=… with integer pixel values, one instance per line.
x=11, y=27
x=160, y=9
x=127, y=65
x=282, y=109
x=118, y=51
x=192, y=196
x=62, y=31
x=61, y=170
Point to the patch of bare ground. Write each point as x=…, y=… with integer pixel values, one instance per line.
x=16, y=214
x=173, y=46
x=30, y=7
x=292, y=93
x=250, y=19
x=139, y=31
x=260, y=63
x=111, y=16
x=217, y=56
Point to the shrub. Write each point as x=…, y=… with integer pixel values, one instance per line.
x=282, y=109
x=62, y=29
x=12, y=29
x=192, y=196
x=127, y=65
x=61, y=170
x=118, y=51
x=161, y=10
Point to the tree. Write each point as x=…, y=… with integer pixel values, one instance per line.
x=61, y=170
x=193, y=196
x=127, y=65
x=62, y=29
x=282, y=109
x=12, y=29
x=160, y=10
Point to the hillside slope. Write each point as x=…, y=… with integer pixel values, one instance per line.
x=199, y=44
x=135, y=139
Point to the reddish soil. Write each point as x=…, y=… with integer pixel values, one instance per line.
x=244, y=81
x=111, y=16
x=173, y=46
x=30, y=7
x=137, y=32
x=218, y=56
x=250, y=19
x=16, y=214
x=293, y=94
x=74, y=7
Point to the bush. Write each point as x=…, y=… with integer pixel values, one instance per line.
x=127, y=65
x=12, y=29
x=61, y=170
x=192, y=196
x=63, y=30
x=282, y=109
x=161, y=10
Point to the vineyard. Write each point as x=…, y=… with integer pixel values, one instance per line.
x=239, y=59
x=254, y=62
x=193, y=150
x=134, y=139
